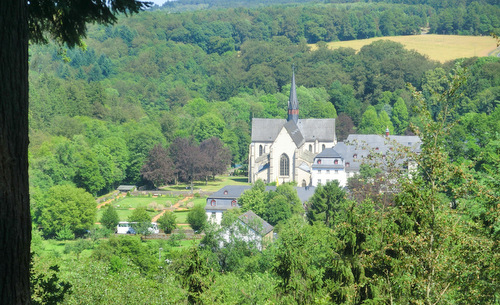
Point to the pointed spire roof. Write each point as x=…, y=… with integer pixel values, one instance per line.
x=293, y=102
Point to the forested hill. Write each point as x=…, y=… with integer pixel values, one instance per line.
x=203, y=4
x=96, y=113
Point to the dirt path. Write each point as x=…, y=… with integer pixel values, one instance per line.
x=172, y=208
x=100, y=205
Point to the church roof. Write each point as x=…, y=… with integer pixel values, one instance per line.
x=294, y=132
x=266, y=130
x=322, y=130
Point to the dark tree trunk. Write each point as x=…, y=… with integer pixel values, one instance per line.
x=15, y=222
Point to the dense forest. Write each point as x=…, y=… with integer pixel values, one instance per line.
x=190, y=72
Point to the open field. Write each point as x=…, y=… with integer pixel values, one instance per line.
x=212, y=186
x=437, y=47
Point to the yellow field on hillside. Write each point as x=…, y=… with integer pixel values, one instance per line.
x=437, y=47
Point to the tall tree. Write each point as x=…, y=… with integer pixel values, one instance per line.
x=400, y=116
x=325, y=203
x=65, y=22
x=66, y=205
x=188, y=160
x=217, y=156
x=159, y=168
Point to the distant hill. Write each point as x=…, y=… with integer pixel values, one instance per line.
x=441, y=48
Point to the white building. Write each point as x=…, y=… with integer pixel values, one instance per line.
x=328, y=165
x=345, y=159
x=283, y=150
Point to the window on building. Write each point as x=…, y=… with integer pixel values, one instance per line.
x=376, y=148
x=327, y=171
x=260, y=150
x=355, y=156
x=225, y=192
x=347, y=164
x=213, y=202
x=213, y=215
x=327, y=180
x=284, y=165
x=336, y=171
x=336, y=161
x=319, y=171
x=234, y=203
x=304, y=184
x=319, y=181
x=322, y=147
x=319, y=161
x=310, y=148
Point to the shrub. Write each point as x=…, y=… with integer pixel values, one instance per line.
x=197, y=218
x=168, y=222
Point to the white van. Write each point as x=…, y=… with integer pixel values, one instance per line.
x=125, y=227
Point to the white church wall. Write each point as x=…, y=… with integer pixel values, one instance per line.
x=282, y=145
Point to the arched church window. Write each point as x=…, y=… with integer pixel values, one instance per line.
x=310, y=148
x=284, y=165
x=260, y=150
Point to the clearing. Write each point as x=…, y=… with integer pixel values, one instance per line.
x=437, y=47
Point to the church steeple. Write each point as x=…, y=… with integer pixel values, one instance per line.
x=293, y=103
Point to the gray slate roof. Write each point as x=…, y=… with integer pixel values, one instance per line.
x=266, y=130
x=329, y=153
x=233, y=192
x=322, y=130
x=363, y=145
x=294, y=132
x=257, y=224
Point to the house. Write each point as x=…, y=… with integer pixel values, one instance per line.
x=227, y=198
x=258, y=230
x=283, y=150
x=224, y=199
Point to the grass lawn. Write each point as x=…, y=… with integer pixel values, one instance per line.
x=157, y=203
x=181, y=217
x=123, y=206
x=437, y=47
x=212, y=186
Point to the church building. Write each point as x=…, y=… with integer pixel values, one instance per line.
x=284, y=150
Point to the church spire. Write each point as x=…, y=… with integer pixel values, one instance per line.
x=293, y=103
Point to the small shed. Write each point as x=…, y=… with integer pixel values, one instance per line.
x=126, y=188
